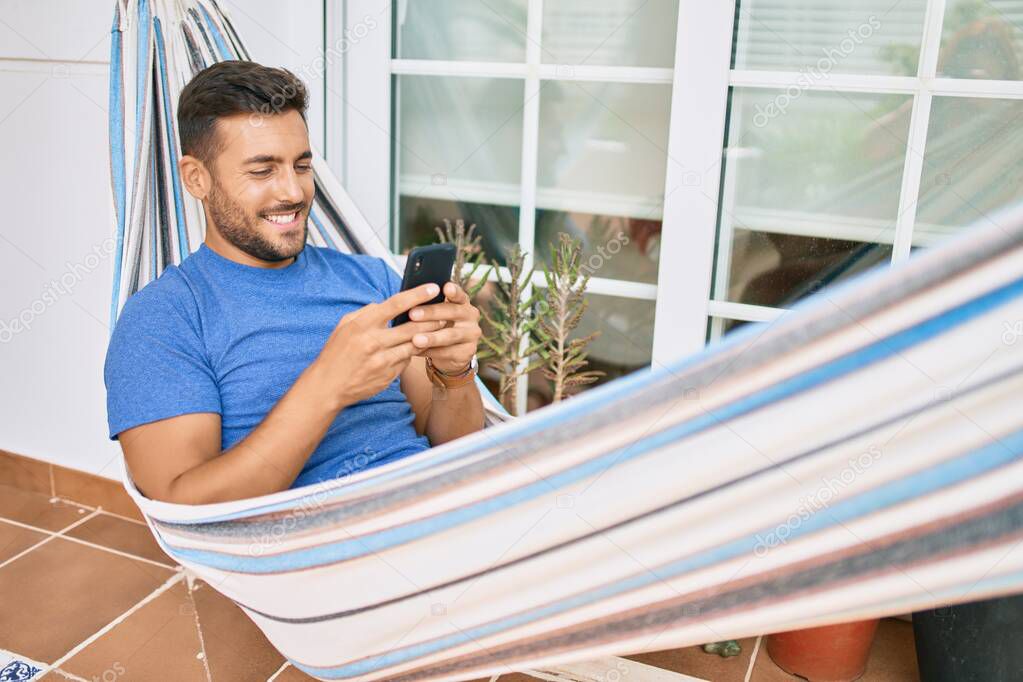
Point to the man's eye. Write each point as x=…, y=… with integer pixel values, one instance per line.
x=305, y=168
x=262, y=173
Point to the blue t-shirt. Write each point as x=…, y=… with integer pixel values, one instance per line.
x=213, y=335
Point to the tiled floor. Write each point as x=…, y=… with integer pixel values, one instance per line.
x=90, y=594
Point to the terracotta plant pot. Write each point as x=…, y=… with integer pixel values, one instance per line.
x=832, y=653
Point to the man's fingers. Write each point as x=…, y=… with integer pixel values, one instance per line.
x=445, y=337
x=404, y=332
x=390, y=308
x=402, y=353
x=445, y=311
x=455, y=293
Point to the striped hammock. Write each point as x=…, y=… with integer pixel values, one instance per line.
x=860, y=456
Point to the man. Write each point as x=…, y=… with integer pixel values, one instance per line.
x=261, y=363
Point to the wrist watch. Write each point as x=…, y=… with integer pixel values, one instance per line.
x=447, y=379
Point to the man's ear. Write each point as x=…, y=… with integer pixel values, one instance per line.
x=195, y=177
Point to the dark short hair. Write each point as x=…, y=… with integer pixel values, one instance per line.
x=230, y=88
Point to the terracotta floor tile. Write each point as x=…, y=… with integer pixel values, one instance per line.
x=35, y=509
x=25, y=473
x=121, y=535
x=235, y=648
x=893, y=655
x=694, y=661
x=160, y=641
x=95, y=491
x=14, y=539
x=764, y=670
x=63, y=592
x=892, y=658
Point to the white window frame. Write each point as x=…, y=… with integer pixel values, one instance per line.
x=922, y=87
x=360, y=128
x=359, y=139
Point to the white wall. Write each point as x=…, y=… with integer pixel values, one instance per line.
x=57, y=211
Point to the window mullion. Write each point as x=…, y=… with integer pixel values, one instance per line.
x=703, y=48
x=916, y=146
x=530, y=144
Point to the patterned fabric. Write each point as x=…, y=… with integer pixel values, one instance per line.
x=860, y=456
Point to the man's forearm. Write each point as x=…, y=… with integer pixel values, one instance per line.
x=271, y=457
x=454, y=412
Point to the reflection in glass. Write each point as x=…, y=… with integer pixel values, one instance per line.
x=610, y=32
x=613, y=246
x=600, y=172
x=418, y=216
x=603, y=143
x=982, y=39
x=811, y=191
x=491, y=31
x=626, y=328
x=972, y=164
x=777, y=270
x=719, y=327
x=459, y=134
x=820, y=37
x=835, y=159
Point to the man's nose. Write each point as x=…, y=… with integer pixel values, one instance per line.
x=289, y=188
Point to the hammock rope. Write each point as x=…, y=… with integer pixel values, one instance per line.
x=860, y=456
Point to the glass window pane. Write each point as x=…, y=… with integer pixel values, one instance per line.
x=811, y=190
x=602, y=142
x=719, y=327
x=626, y=338
x=610, y=32
x=457, y=133
x=613, y=246
x=777, y=270
x=498, y=226
x=818, y=37
x=971, y=164
x=459, y=150
x=471, y=30
x=982, y=39
x=601, y=163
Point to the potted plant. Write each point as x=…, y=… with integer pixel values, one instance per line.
x=830, y=653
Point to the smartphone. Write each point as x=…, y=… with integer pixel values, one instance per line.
x=427, y=264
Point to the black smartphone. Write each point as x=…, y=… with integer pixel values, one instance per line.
x=427, y=264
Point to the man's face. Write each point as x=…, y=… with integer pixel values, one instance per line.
x=262, y=184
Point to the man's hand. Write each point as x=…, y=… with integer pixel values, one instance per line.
x=453, y=344
x=363, y=355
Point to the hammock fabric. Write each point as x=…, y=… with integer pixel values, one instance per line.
x=860, y=456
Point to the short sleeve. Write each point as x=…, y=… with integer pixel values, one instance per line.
x=392, y=280
x=156, y=366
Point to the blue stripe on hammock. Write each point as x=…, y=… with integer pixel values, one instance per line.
x=115, y=105
x=347, y=549
x=172, y=149
x=153, y=199
x=968, y=465
x=321, y=230
x=225, y=51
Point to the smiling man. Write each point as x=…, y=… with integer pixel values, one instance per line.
x=261, y=362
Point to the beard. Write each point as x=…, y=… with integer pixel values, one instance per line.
x=244, y=229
